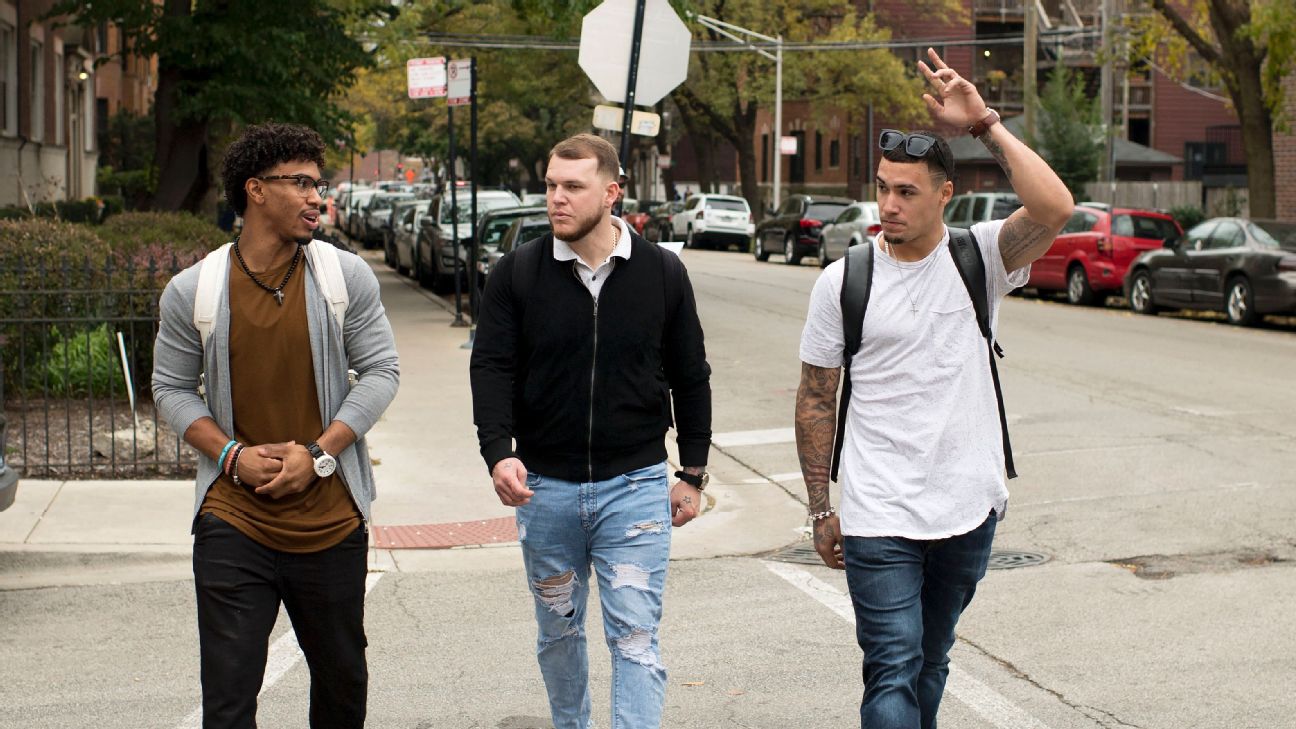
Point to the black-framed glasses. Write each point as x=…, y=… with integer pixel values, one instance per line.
x=916, y=145
x=303, y=183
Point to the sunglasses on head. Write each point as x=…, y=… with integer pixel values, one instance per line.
x=915, y=145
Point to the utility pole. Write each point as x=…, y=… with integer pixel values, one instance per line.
x=1108, y=171
x=1030, y=71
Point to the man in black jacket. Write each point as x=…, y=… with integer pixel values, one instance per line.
x=585, y=336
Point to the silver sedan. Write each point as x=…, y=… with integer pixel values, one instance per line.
x=857, y=224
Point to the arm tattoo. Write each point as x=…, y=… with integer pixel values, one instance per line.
x=997, y=152
x=816, y=425
x=1022, y=240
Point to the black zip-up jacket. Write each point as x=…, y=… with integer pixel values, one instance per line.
x=585, y=387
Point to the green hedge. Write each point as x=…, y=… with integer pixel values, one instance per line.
x=61, y=283
x=89, y=210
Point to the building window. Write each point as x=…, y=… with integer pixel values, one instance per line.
x=765, y=157
x=818, y=151
x=834, y=154
x=37, y=91
x=8, y=81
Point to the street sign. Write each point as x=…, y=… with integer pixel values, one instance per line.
x=606, y=37
x=643, y=123
x=788, y=145
x=426, y=77
x=460, y=75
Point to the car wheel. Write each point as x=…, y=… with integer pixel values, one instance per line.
x=664, y=233
x=1079, y=292
x=790, y=256
x=823, y=254
x=758, y=248
x=1239, y=305
x=690, y=240
x=1140, y=299
x=389, y=255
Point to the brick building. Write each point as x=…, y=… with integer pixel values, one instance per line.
x=1285, y=157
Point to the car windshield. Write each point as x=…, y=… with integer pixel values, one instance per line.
x=1142, y=226
x=1273, y=234
x=736, y=205
x=825, y=211
x=483, y=203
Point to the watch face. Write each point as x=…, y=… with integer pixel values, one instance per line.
x=325, y=465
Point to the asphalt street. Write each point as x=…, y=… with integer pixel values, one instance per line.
x=1156, y=492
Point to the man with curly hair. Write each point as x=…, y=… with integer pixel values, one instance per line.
x=284, y=479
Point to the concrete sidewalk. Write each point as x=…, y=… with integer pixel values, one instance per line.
x=429, y=474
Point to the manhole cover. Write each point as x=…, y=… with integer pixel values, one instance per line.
x=1007, y=559
x=799, y=553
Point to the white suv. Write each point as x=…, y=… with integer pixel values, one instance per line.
x=713, y=219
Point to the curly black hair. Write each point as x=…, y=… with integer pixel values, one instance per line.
x=261, y=147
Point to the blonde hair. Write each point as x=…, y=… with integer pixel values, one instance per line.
x=589, y=146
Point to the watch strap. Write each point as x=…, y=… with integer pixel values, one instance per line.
x=692, y=479
x=315, y=450
x=990, y=119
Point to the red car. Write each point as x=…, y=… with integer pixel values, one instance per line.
x=1089, y=258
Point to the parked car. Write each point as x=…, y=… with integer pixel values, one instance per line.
x=405, y=235
x=8, y=476
x=1244, y=268
x=376, y=217
x=1089, y=258
x=709, y=219
x=434, y=256
x=492, y=226
x=351, y=212
x=858, y=223
x=533, y=198
x=399, y=213
x=978, y=207
x=639, y=216
x=658, y=227
x=795, y=227
x=519, y=231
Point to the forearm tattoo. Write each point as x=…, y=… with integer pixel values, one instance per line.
x=997, y=152
x=816, y=425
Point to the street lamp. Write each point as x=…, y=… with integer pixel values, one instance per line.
x=724, y=29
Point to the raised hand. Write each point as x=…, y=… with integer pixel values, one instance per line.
x=954, y=102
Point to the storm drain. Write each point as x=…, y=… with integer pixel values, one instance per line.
x=1008, y=559
x=1000, y=559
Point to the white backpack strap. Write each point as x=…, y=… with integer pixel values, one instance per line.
x=211, y=279
x=328, y=274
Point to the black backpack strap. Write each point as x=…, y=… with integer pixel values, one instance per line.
x=857, y=284
x=971, y=267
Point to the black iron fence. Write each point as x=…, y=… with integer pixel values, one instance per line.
x=76, y=345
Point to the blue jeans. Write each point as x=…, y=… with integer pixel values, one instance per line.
x=622, y=527
x=908, y=596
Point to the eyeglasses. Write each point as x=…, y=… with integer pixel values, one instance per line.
x=915, y=145
x=303, y=183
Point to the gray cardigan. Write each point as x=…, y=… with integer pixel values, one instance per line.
x=364, y=344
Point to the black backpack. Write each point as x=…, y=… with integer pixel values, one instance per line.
x=854, y=302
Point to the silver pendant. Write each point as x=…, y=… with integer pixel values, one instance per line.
x=278, y=296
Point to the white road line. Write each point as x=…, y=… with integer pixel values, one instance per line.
x=754, y=437
x=284, y=654
x=985, y=701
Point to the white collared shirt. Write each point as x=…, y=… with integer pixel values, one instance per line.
x=593, y=278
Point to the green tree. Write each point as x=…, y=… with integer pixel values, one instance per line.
x=228, y=62
x=1250, y=47
x=1069, y=130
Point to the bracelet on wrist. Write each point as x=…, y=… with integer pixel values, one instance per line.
x=821, y=515
x=233, y=469
x=220, y=460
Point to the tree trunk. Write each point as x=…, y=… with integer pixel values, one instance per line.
x=744, y=141
x=1257, y=142
x=183, y=174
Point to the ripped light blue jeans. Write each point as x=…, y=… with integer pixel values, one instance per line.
x=621, y=527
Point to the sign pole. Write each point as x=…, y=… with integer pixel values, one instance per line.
x=473, y=301
x=635, y=43
x=454, y=225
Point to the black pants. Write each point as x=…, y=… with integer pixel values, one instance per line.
x=240, y=585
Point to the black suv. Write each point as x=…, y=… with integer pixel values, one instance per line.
x=794, y=228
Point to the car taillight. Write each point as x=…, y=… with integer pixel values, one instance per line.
x=700, y=214
x=811, y=223
x=1287, y=263
x=875, y=228
x=1104, y=246
x=751, y=218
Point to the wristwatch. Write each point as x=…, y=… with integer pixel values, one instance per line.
x=697, y=481
x=325, y=464
x=990, y=119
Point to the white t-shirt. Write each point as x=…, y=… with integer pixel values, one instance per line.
x=923, y=454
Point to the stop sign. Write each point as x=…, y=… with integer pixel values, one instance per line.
x=606, y=37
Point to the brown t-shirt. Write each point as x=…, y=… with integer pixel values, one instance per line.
x=272, y=380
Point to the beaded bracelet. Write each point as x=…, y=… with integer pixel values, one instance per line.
x=233, y=470
x=822, y=514
x=220, y=461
